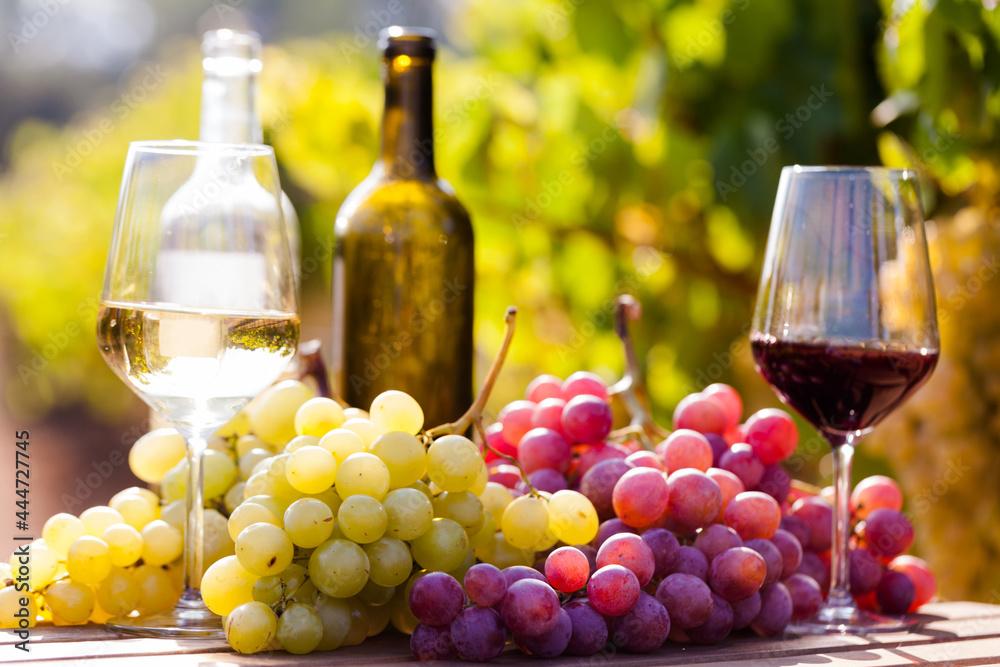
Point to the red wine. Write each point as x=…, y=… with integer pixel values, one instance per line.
x=841, y=388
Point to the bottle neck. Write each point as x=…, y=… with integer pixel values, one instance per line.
x=407, y=123
x=228, y=101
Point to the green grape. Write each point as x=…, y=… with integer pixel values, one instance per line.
x=462, y=507
x=219, y=444
x=249, y=460
x=501, y=554
x=342, y=442
x=263, y=548
x=174, y=484
x=362, y=519
x=525, y=521
x=364, y=428
x=359, y=623
x=272, y=588
x=118, y=594
x=362, y=473
x=311, y=469
x=459, y=572
x=391, y=562
x=308, y=522
x=239, y=425
x=318, y=416
x=277, y=475
x=339, y=568
x=226, y=585
x=156, y=589
x=245, y=443
x=221, y=472
x=250, y=627
x=10, y=604
x=482, y=478
x=399, y=607
x=88, y=560
x=61, y=530
x=374, y=595
x=424, y=489
x=329, y=497
x=161, y=543
x=258, y=484
x=41, y=566
x=155, y=453
x=248, y=514
x=396, y=411
x=135, y=509
x=453, y=463
x=484, y=535
x=272, y=414
x=125, y=544
x=234, y=496
x=495, y=498
x=442, y=547
x=409, y=512
x=300, y=629
x=218, y=542
x=97, y=519
x=403, y=455
x=378, y=618
x=572, y=517
x=71, y=601
x=546, y=542
x=144, y=493
x=300, y=441
x=174, y=513
x=335, y=615
x=356, y=413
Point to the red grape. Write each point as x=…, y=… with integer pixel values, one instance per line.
x=436, y=598
x=567, y=569
x=692, y=561
x=542, y=387
x=715, y=539
x=544, y=479
x=771, y=555
x=495, y=439
x=586, y=419
x=775, y=611
x=743, y=462
x=590, y=630
x=719, y=623
x=630, y=551
x=485, y=584
x=516, y=419
x=719, y=446
x=429, y=642
x=895, y=593
x=776, y=482
x=745, y=610
x=865, y=571
x=730, y=486
x=875, y=492
x=640, y=496
x=772, y=434
x=543, y=448
x=807, y=597
x=516, y=573
x=609, y=528
x=700, y=413
x=818, y=516
x=551, y=644
x=798, y=528
x=687, y=599
x=598, y=484
x=530, y=608
x=737, y=573
x=685, y=448
x=478, y=634
x=729, y=398
x=506, y=474
x=694, y=499
x=664, y=546
x=548, y=414
x=645, y=626
x=790, y=548
x=919, y=572
x=613, y=590
x=645, y=459
x=814, y=567
x=591, y=456
x=735, y=434
x=888, y=533
x=753, y=514
x=581, y=383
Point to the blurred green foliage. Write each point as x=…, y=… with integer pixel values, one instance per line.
x=602, y=147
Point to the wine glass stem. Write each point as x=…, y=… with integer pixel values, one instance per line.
x=840, y=581
x=194, y=529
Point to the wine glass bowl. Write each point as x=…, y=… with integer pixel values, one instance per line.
x=199, y=312
x=845, y=327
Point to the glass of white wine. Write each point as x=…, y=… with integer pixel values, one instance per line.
x=198, y=313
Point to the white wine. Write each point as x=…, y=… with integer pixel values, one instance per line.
x=195, y=367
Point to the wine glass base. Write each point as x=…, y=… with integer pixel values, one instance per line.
x=849, y=621
x=190, y=618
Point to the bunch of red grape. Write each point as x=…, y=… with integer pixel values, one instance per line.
x=699, y=538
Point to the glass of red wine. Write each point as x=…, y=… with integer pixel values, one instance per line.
x=845, y=328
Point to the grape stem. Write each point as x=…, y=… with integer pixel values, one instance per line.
x=532, y=491
x=475, y=411
x=632, y=388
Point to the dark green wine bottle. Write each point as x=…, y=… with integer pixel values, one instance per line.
x=403, y=268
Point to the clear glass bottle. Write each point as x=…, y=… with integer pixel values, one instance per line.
x=403, y=268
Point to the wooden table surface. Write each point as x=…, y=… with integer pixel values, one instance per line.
x=954, y=633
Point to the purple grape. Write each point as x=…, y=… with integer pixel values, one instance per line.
x=485, y=584
x=516, y=573
x=895, y=592
x=664, y=546
x=742, y=461
x=798, y=529
x=436, y=598
x=678, y=635
x=806, y=595
x=530, y=608
x=790, y=548
x=544, y=479
x=478, y=634
x=695, y=499
x=776, y=482
x=691, y=561
x=737, y=573
x=551, y=644
x=590, y=631
x=645, y=627
x=613, y=590
x=609, y=528
x=772, y=558
x=715, y=539
x=866, y=571
x=818, y=516
x=775, y=611
x=888, y=532
x=719, y=623
x=543, y=448
x=745, y=611
x=591, y=554
x=587, y=419
x=432, y=642
x=598, y=484
x=632, y=552
x=686, y=598
x=812, y=566
x=719, y=447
